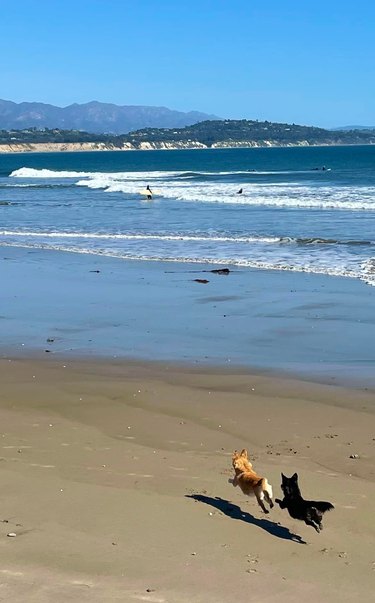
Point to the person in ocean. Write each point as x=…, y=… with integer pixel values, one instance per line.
x=149, y=196
x=240, y=191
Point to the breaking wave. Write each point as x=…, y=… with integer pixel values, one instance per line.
x=175, y=185
x=366, y=272
x=181, y=237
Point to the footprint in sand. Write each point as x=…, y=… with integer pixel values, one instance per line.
x=150, y=598
x=11, y=573
x=79, y=583
x=43, y=466
x=18, y=447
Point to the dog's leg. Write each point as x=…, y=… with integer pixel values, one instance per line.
x=261, y=503
x=282, y=504
x=268, y=499
x=317, y=517
x=312, y=521
x=309, y=522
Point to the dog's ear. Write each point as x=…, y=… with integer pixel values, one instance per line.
x=295, y=477
x=244, y=453
x=283, y=477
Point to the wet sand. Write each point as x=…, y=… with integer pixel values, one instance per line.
x=115, y=480
x=303, y=324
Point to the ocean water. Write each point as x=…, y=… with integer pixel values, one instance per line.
x=290, y=216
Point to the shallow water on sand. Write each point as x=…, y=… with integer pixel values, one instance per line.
x=70, y=304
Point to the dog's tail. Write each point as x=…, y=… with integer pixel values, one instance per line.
x=323, y=506
x=266, y=487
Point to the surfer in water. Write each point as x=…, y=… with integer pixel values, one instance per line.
x=149, y=196
x=240, y=191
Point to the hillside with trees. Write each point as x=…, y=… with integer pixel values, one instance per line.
x=205, y=134
x=232, y=132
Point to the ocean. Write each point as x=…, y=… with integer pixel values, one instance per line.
x=291, y=216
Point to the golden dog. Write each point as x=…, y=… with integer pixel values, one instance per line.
x=250, y=482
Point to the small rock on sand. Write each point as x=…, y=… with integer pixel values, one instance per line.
x=221, y=271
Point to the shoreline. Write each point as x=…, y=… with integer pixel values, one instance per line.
x=114, y=472
x=86, y=147
x=78, y=305
x=190, y=367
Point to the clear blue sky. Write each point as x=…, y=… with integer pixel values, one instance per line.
x=310, y=62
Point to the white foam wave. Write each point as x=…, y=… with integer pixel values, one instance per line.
x=172, y=185
x=278, y=265
x=276, y=195
x=19, y=185
x=143, y=237
x=26, y=172
x=368, y=270
x=249, y=172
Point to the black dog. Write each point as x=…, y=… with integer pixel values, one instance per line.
x=309, y=511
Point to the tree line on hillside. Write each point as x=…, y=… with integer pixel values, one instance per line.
x=205, y=132
x=211, y=132
x=36, y=135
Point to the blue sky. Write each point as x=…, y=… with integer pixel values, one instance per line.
x=307, y=62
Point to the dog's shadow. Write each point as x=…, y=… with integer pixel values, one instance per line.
x=235, y=512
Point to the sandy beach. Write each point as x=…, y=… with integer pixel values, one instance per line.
x=125, y=388
x=115, y=480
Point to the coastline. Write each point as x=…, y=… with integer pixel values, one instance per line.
x=91, y=305
x=22, y=148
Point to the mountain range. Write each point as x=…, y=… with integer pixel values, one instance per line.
x=94, y=117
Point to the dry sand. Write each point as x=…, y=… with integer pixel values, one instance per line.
x=115, y=479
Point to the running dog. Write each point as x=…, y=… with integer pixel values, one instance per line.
x=309, y=511
x=250, y=482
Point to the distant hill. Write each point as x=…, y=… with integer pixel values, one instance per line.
x=94, y=117
x=347, y=128
x=205, y=134
x=232, y=132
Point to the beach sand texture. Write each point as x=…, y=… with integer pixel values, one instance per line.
x=115, y=481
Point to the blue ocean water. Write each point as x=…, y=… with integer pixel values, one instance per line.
x=291, y=215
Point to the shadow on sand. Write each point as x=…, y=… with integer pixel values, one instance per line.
x=235, y=512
